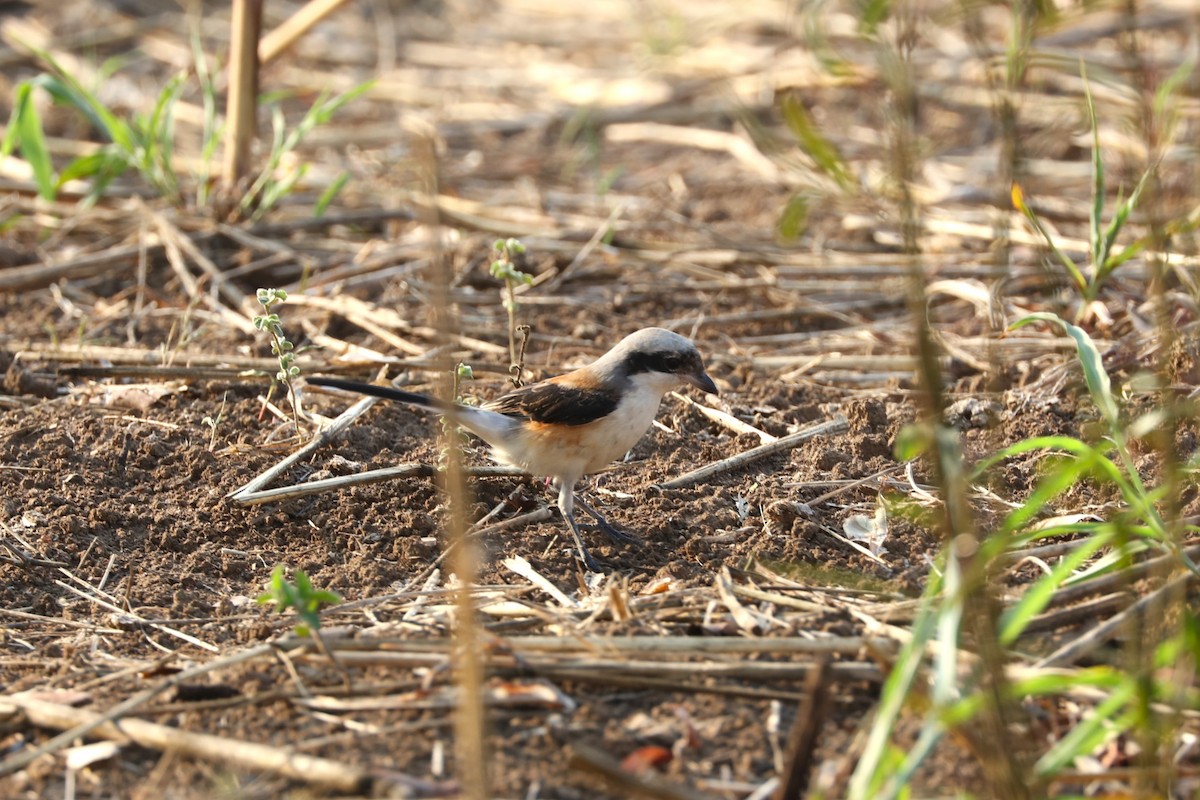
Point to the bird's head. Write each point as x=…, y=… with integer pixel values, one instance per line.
x=661, y=357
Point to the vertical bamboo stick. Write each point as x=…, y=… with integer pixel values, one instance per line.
x=242, y=105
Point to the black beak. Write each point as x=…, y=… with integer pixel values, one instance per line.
x=701, y=381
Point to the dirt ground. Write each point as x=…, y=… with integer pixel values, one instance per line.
x=116, y=507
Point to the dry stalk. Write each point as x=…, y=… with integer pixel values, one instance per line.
x=294, y=27
x=242, y=106
x=838, y=424
x=84, y=727
x=219, y=749
x=469, y=720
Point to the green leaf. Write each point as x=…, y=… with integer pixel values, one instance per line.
x=32, y=141
x=275, y=190
x=88, y=166
x=1018, y=199
x=330, y=193
x=1037, y=596
x=10, y=130
x=913, y=441
x=1045, y=684
x=66, y=89
x=871, y=13
x=1110, y=262
x=1059, y=479
x=1104, y=723
x=1097, y=240
x=325, y=597
x=877, y=762
x=1067, y=444
x=1173, y=83
x=158, y=139
x=1094, y=375
x=823, y=153
x=794, y=219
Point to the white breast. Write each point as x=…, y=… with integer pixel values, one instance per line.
x=569, y=452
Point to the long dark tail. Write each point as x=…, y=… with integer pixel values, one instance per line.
x=386, y=392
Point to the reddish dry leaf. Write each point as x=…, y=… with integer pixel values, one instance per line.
x=645, y=758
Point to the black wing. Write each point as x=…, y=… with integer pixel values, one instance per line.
x=553, y=403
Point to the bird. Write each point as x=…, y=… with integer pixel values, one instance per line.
x=576, y=423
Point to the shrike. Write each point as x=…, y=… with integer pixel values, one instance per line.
x=574, y=424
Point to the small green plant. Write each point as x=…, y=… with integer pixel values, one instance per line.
x=275, y=180
x=214, y=126
x=1113, y=459
x=212, y=423
x=145, y=143
x=1104, y=256
x=300, y=596
x=832, y=174
x=462, y=372
x=941, y=694
x=505, y=268
x=269, y=321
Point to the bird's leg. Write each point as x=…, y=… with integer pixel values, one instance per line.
x=566, y=506
x=606, y=527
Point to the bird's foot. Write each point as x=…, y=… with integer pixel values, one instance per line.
x=606, y=527
x=580, y=548
x=591, y=564
x=615, y=533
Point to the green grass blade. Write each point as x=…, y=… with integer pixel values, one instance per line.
x=1018, y=201
x=1035, y=599
x=823, y=152
x=1103, y=724
x=210, y=136
x=32, y=141
x=267, y=189
x=330, y=193
x=1094, y=375
x=101, y=168
x=66, y=89
x=276, y=190
x=813, y=18
x=1067, y=444
x=1177, y=80
x=1096, y=239
x=85, y=167
x=793, y=219
x=1106, y=265
x=871, y=14
x=10, y=131
x=1045, y=683
x=944, y=689
x=875, y=766
x=158, y=137
x=1058, y=480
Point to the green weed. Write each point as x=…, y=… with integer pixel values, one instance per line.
x=283, y=349
x=145, y=143
x=273, y=182
x=1104, y=256
x=504, y=267
x=950, y=694
x=300, y=597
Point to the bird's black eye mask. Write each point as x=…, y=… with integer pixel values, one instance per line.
x=669, y=361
